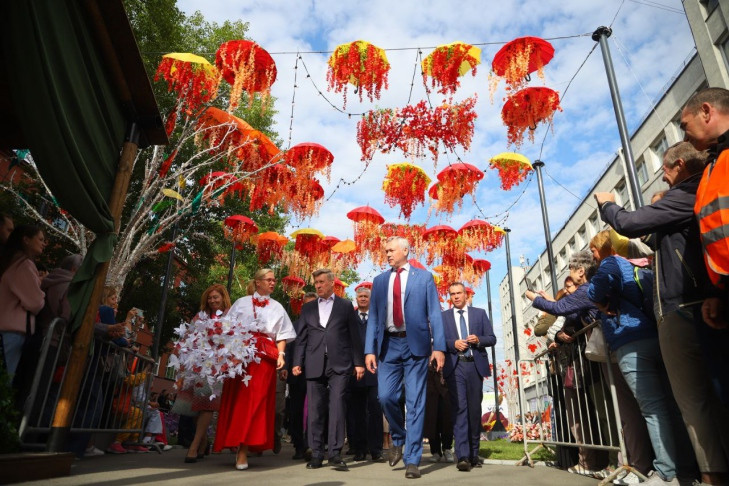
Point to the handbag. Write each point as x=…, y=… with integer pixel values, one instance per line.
x=183, y=403
x=266, y=347
x=596, y=349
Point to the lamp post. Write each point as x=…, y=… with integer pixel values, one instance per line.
x=512, y=302
x=498, y=426
x=538, y=164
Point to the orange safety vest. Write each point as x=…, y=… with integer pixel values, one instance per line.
x=712, y=212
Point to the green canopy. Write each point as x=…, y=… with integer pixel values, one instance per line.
x=75, y=85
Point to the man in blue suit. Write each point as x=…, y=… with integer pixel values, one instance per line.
x=468, y=334
x=404, y=315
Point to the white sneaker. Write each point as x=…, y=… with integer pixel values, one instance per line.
x=448, y=455
x=93, y=451
x=435, y=457
x=655, y=479
x=630, y=478
x=166, y=447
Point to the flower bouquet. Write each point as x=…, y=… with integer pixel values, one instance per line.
x=210, y=350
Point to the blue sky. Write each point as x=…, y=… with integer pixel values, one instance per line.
x=649, y=44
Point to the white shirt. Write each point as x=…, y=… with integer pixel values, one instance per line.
x=276, y=323
x=325, y=309
x=458, y=321
x=390, y=323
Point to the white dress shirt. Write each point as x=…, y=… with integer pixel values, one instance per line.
x=325, y=309
x=457, y=316
x=273, y=318
x=390, y=323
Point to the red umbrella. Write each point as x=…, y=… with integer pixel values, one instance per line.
x=478, y=234
x=520, y=57
x=292, y=285
x=240, y=228
x=439, y=231
x=481, y=266
x=365, y=214
x=364, y=285
x=246, y=66
x=309, y=158
x=329, y=241
x=454, y=182
x=527, y=108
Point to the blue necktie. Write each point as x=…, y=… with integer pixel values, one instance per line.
x=464, y=332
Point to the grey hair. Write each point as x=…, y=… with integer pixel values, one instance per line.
x=71, y=262
x=582, y=259
x=324, y=271
x=310, y=296
x=363, y=290
x=695, y=160
x=404, y=243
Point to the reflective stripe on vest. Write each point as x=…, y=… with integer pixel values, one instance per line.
x=712, y=212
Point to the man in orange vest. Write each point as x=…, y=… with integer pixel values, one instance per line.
x=705, y=120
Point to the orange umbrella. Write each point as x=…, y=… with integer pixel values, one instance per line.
x=269, y=245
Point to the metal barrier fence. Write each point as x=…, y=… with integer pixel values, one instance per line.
x=112, y=397
x=584, y=410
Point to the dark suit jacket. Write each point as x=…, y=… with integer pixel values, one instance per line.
x=290, y=352
x=340, y=338
x=478, y=324
x=369, y=379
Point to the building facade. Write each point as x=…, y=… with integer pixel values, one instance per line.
x=707, y=67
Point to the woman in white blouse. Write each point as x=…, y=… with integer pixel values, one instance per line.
x=247, y=409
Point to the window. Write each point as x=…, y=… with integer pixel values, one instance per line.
x=709, y=5
x=724, y=47
x=659, y=148
x=642, y=171
x=593, y=225
x=562, y=259
x=582, y=238
x=572, y=247
x=622, y=194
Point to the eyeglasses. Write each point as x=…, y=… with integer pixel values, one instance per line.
x=267, y=279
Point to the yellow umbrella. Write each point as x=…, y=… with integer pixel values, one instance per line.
x=192, y=59
x=471, y=59
x=307, y=231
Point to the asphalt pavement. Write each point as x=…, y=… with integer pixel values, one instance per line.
x=218, y=469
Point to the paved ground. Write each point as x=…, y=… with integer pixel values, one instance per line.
x=169, y=468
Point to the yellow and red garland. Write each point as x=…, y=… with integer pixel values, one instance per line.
x=405, y=185
x=513, y=168
x=247, y=67
x=449, y=62
x=359, y=63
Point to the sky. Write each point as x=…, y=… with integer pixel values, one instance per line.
x=651, y=40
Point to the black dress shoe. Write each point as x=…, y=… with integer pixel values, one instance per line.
x=463, y=464
x=315, y=463
x=412, y=471
x=476, y=462
x=378, y=458
x=189, y=460
x=360, y=456
x=298, y=455
x=308, y=454
x=338, y=464
x=395, y=455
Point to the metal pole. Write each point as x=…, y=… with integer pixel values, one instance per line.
x=513, y=315
x=601, y=35
x=498, y=426
x=163, y=299
x=232, y=266
x=545, y=221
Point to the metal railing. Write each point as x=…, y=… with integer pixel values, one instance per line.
x=584, y=410
x=112, y=397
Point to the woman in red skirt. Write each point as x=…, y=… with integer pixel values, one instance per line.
x=215, y=302
x=247, y=409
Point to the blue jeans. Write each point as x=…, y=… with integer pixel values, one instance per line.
x=642, y=366
x=13, y=349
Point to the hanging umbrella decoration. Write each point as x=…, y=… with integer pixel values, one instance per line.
x=449, y=62
x=292, y=285
x=270, y=186
x=405, y=185
x=517, y=59
x=454, y=182
x=239, y=229
x=415, y=128
x=411, y=232
x=309, y=159
x=269, y=246
x=246, y=148
x=479, y=267
x=192, y=78
x=340, y=288
x=307, y=252
x=344, y=256
x=361, y=64
x=247, y=67
x=480, y=235
x=439, y=240
x=367, y=223
x=527, y=108
x=513, y=168
x=302, y=198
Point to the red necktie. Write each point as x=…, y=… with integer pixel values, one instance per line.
x=397, y=318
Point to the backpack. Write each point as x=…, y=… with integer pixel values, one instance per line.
x=644, y=279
